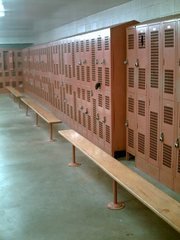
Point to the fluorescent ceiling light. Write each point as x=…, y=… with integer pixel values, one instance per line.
x=2, y=10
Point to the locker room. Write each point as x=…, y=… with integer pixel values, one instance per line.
x=90, y=114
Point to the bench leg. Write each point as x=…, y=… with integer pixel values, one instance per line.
x=27, y=108
x=115, y=205
x=51, y=131
x=37, y=119
x=74, y=163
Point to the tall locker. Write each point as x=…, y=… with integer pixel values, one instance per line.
x=154, y=95
x=132, y=64
x=142, y=64
x=169, y=105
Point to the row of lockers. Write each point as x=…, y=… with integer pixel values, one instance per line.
x=11, y=68
x=153, y=96
x=82, y=80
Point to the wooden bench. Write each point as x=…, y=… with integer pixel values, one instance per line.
x=43, y=113
x=16, y=94
x=159, y=202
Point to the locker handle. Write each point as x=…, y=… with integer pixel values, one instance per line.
x=125, y=62
x=103, y=61
x=86, y=112
x=137, y=63
x=161, y=138
x=104, y=120
x=97, y=116
x=97, y=85
x=97, y=61
x=126, y=123
x=177, y=143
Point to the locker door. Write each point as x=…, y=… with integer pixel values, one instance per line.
x=154, y=95
x=87, y=60
x=177, y=150
x=167, y=142
x=107, y=123
x=78, y=60
x=141, y=103
x=131, y=125
x=169, y=59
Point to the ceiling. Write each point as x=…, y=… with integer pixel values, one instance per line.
x=29, y=17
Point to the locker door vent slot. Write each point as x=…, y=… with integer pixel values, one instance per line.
x=68, y=110
x=84, y=120
x=94, y=117
x=167, y=155
x=69, y=48
x=141, y=143
x=153, y=135
x=78, y=72
x=131, y=77
x=1, y=85
x=131, y=41
x=79, y=117
x=77, y=46
x=71, y=112
x=178, y=169
x=141, y=40
x=168, y=115
x=100, y=75
x=65, y=48
x=83, y=94
x=154, y=59
x=70, y=89
x=130, y=138
x=142, y=77
x=101, y=130
x=82, y=73
x=79, y=93
x=141, y=107
x=169, y=37
x=107, y=77
x=82, y=46
x=99, y=43
x=88, y=95
x=108, y=134
x=100, y=100
x=89, y=123
x=75, y=107
x=87, y=46
x=88, y=74
x=69, y=71
x=107, y=102
x=107, y=43
x=93, y=58
x=67, y=88
x=131, y=104
x=169, y=81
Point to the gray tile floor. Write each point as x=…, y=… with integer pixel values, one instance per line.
x=41, y=198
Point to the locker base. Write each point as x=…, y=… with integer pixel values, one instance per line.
x=116, y=206
x=119, y=154
x=74, y=164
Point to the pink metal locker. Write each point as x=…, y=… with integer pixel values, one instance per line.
x=155, y=96
x=132, y=64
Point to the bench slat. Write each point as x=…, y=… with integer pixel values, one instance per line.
x=14, y=91
x=43, y=113
x=159, y=202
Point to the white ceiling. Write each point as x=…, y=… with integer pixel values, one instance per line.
x=28, y=17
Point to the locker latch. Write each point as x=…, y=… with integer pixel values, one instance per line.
x=161, y=138
x=126, y=123
x=137, y=63
x=97, y=116
x=177, y=143
x=103, y=61
x=104, y=120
